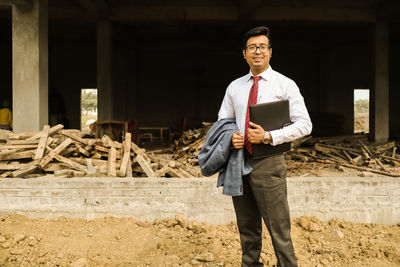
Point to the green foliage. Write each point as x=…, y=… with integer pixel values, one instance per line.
x=361, y=106
x=89, y=100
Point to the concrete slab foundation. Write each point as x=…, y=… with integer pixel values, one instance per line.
x=369, y=200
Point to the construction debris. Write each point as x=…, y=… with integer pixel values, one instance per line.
x=188, y=147
x=64, y=153
x=353, y=151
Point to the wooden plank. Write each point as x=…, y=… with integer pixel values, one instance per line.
x=52, y=130
x=126, y=155
x=101, y=148
x=365, y=147
x=370, y=170
x=74, y=137
x=26, y=169
x=325, y=148
x=10, y=167
x=185, y=173
x=394, y=151
x=111, y=166
x=17, y=147
x=129, y=169
x=161, y=172
x=68, y=152
x=42, y=143
x=82, y=150
x=108, y=142
x=296, y=143
x=52, y=167
x=95, y=162
x=18, y=155
x=96, y=155
x=4, y=153
x=145, y=166
x=68, y=173
x=71, y=163
x=140, y=152
x=21, y=173
x=348, y=157
x=390, y=158
x=23, y=142
x=23, y=135
x=384, y=147
x=299, y=156
x=54, y=152
x=176, y=173
x=6, y=174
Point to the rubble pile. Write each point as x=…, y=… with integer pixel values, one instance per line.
x=352, y=151
x=64, y=153
x=187, y=148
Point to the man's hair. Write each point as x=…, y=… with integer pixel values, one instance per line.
x=257, y=31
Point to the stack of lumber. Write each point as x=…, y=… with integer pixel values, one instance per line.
x=64, y=153
x=188, y=147
x=352, y=151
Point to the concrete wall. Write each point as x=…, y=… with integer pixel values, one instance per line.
x=369, y=200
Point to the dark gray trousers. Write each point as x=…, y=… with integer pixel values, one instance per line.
x=265, y=196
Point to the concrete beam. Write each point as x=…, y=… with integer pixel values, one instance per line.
x=162, y=13
x=30, y=66
x=96, y=8
x=247, y=8
x=381, y=91
x=21, y=3
x=227, y=13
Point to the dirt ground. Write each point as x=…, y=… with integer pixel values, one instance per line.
x=177, y=242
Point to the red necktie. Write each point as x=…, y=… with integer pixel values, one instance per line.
x=252, y=100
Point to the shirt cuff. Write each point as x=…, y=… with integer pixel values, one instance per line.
x=277, y=137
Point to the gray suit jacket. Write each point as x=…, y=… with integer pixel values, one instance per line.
x=217, y=155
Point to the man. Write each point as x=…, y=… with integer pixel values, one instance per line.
x=5, y=116
x=264, y=189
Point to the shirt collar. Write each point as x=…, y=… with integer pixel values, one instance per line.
x=266, y=75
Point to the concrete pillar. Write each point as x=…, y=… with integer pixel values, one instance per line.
x=380, y=105
x=30, y=66
x=104, y=70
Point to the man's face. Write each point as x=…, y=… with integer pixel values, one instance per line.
x=258, y=60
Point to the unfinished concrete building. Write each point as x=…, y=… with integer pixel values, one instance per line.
x=159, y=61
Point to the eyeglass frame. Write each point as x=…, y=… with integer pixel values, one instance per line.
x=257, y=47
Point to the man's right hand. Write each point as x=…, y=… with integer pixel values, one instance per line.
x=237, y=140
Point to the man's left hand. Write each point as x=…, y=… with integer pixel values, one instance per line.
x=255, y=133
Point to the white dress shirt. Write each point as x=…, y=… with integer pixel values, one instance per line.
x=272, y=86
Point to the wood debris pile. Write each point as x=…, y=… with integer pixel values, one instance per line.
x=64, y=153
x=188, y=147
x=352, y=151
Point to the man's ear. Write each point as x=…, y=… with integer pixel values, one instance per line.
x=244, y=53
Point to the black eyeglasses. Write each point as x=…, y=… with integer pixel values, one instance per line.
x=253, y=48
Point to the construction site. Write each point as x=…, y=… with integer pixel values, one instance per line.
x=111, y=103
